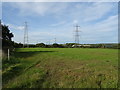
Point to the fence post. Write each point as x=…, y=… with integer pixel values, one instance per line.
x=8, y=54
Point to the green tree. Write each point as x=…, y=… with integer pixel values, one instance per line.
x=6, y=37
x=40, y=45
x=55, y=45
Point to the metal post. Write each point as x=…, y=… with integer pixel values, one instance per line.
x=8, y=54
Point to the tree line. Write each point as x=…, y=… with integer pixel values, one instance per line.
x=8, y=43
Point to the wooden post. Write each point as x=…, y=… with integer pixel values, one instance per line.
x=8, y=54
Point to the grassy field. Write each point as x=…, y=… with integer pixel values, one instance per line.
x=61, y=68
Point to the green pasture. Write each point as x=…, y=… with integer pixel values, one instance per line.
x=61, y=68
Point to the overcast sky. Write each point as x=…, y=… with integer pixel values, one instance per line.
x=98, y=21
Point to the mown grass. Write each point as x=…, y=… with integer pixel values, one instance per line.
x=61, y=68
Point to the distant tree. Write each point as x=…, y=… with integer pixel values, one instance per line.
x=32, y=45
x=100, y=45
x=119, y=46
x=40, y=45
x=48, y=46
x=116, y=46
x=18, y=45
x=61, y=46
x=55, y=45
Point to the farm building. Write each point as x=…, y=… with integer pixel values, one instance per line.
x=81, y=46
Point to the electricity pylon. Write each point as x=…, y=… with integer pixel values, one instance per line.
x=77, y=34
x=26, y=35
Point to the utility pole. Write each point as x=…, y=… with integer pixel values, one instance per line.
x=77, y=34
x=26, y=35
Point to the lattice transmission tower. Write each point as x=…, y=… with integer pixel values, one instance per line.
x=55, y=40
x=77, y=34
x=26, y=43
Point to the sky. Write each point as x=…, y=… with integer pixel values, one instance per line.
x=98, y=21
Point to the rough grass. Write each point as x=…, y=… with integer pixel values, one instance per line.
x=62, y=68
